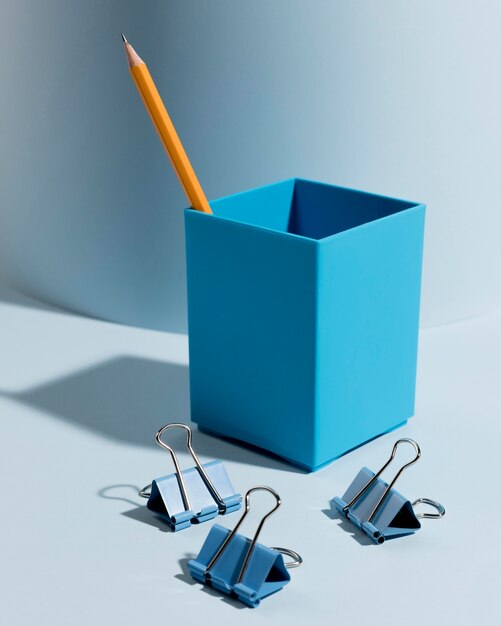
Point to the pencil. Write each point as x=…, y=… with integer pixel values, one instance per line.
x=166, y=131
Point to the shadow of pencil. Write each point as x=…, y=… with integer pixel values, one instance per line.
x=186, y=577
x=359, y=536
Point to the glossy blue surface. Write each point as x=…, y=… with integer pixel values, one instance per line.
x=303, y=312
x=167, y=502
x=265, y=573
x=394, y=518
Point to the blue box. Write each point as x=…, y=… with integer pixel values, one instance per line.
x=303, y=313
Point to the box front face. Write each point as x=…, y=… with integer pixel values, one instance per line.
x=303, y=303
x=251, y=309
x=369, y=286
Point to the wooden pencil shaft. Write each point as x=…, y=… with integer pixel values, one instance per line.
x=166, y=131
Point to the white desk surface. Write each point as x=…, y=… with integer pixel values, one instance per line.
x=80, y=403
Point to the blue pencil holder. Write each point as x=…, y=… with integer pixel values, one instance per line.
x=303, y=313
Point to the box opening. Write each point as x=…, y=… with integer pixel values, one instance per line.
x=308, y=209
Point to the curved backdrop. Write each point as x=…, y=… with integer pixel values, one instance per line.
x=396, y=98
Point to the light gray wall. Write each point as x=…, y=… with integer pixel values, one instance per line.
x=394, y=97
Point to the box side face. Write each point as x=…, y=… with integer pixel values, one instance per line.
x=251, y=315
x=266, y=207
x=368, y=320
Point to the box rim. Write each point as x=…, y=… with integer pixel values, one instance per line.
x=324, y=240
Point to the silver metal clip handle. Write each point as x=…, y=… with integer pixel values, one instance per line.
x=376, y=476
x=222, y=547
x=436, y=505
x=296, y=558
x=145, y=492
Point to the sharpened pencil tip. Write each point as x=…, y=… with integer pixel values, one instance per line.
x=123, y=38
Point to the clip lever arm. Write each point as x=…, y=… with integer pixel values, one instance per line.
x=222, y=547
x=367, y=486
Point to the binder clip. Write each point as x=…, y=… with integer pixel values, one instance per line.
x=241, y=567
x=380, y=511
x=193, y=495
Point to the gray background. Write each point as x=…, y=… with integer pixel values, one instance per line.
x=400, y=98
x=393, y=97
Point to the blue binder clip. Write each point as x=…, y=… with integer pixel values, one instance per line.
x=380, y=511
x=241, y=567
x=193, y=495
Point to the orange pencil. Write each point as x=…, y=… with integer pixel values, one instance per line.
x=166, y=130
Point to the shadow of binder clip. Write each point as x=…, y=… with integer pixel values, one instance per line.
x=241, y=567
x=193, y=495
x=380, y=511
